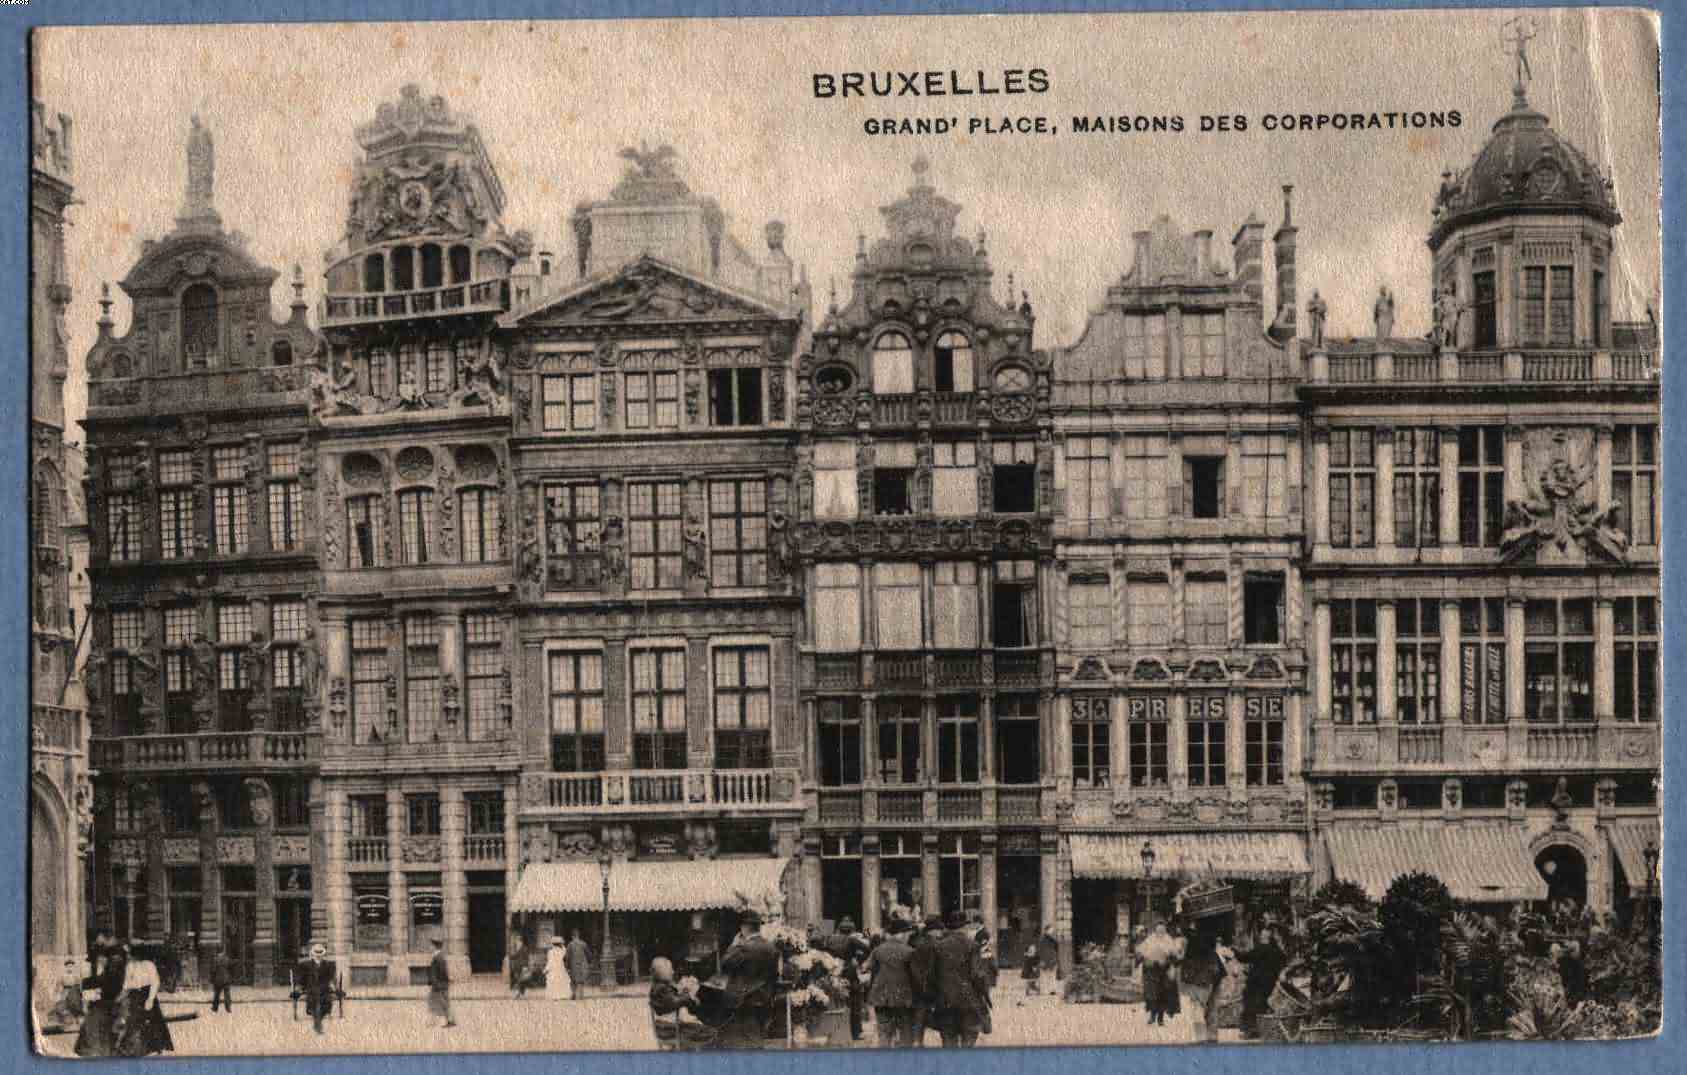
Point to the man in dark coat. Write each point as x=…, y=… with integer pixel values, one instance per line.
x=922, y=973
x=1265, y=961
x=518, y=965
x=740, y=998
x=317, y=983
x=891, y=992
x=98, y=1035
x=959, y=985
x=439, y=985
x=219, y=981
x=579, y=964
x=850, y=947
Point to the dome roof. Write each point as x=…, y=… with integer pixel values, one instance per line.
x=1525, y=167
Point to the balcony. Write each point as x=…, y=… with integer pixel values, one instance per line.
x=959, y=669
x=842, y=806
x=897, y=410
x=366, y=849
x=952, y=409
x=1019, y=804
x=1457, y=747
x=1564, y=366
x=662, y=791
x=1018, y=669
x=899, y=670
x=199, y=390
x=483, y=850
x=210, y=750
x=1420, y=746
x=837, y=673
x=960, y=805
x=55, y=728
x=487, y=296
x=1562, y=745
x=901, y=806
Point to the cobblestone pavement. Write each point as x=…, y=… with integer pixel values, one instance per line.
x=612, y=1024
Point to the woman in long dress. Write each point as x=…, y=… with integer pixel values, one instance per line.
x=558, y=986
x=144, y=1030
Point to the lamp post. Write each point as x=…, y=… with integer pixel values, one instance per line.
x=1651, y=854
x=606, y=862
x=1147, y=881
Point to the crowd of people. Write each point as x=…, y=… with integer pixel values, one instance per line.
x=115, y=1008
x=1191, y=965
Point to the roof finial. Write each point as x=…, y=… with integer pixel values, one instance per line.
x=832, y=291
x=921, y=167
x=1516, y=33
x=201, y=171
x=298, y=284
x=105, y=304
x=861, y=246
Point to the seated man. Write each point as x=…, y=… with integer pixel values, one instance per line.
x=676, y=1010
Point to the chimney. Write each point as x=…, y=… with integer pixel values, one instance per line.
x=1283, y=244
x=1204, y=252
x=1139, y=259
x=1245, y=249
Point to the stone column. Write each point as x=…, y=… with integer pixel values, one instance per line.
x=987, y=896
x=699, y=732
x=617, y=718
x=1452, y=667
x=987, y=735
x=1047, y=889
x=453, y=825
x=1321, y=657
x=1602, y=464
x=1236, y=743
x=1177, y=741
x=811, y=879
x=1063, y=903
x=1515, y=698
x=264, y=955
x=1385, y=662
x=1174, y=473
x=928, y=873
x=1233, y=473
x=1385, y=488
x=512, y=844
x=1321, y=488
x=398, y=893
x=1449, y=446
x=337, y=915
x=1513, y=463
x=869, y=882
x=1604, y=661
x=1291, y=502
x=454, y=701
x=1294, y=739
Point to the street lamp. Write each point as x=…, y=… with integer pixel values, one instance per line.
x=1147, y=881
x=606, y=862
x=1651, y=854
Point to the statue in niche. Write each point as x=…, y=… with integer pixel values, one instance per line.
x=1316, y=310
x=1383, y=312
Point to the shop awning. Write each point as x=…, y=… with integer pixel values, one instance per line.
x=1250, y=856
x=647, y=886
x=1629, y=840
x=1481, y=864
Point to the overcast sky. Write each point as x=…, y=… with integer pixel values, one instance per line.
x=556, y=101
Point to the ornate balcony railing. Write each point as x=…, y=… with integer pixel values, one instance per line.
x=898, y=410
x=1420, y=746
x=837, y=673
x=661, y=790
x=1562, y=744
x=901, y=805
x=1349, y=369
x=1564, y=365
x=366, y=849
x=952, y=408
x=1018, y=669
x=1019, y=804
x=485, y=296
x=483, y=848
x=840, y=806
x=56, y=727
x=1417, y=367
x=899, y=670
x=1558, y=366
x=960, y=805
x=210, y=750
x=958, y=669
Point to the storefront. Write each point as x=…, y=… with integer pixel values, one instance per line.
x=685, y=910
x=1479, y=864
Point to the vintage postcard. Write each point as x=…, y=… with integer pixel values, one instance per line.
x=845, y=533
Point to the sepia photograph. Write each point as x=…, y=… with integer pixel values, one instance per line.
x=863, y=533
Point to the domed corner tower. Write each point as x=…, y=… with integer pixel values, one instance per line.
x=1523, y=237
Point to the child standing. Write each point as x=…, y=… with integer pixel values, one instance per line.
x=1031, y=971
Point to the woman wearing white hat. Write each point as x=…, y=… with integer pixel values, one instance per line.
x=558, y=985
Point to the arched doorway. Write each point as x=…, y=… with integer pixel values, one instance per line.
x=1564, y=870
x=46, y=877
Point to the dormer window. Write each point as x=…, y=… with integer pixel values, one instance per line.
x=893, y=365
x=952, y=363
x=281, y=354
x=199, y=326
x=374, y=274
x=1549, y=306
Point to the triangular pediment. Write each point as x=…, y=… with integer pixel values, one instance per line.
x=646, y=291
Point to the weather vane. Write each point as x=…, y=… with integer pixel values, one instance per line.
x=1516, y=33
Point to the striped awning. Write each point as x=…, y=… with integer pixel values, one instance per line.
x=648, y=886
x=1249, y=856
x=1486, y=863
x=1629, y=840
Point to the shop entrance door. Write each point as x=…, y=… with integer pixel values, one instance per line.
x=1095, y=904
x=292, y=934
x=486, y=932
x=1019, y=881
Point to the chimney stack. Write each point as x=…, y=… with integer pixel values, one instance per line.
x=1246, y=247
x=1284, y=246
x=1204, y=253
x=1139, y=271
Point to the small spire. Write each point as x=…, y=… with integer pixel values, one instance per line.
x=298, y=285
x=861, y=246
x=105, y=304
x=1288, y=203
x=921, y=166
x=832, y=294
x=981, y=239
x=1010, y=287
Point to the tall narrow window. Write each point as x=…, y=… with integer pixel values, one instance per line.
x=483, y=651
x=201, y=330
x=1482, y=660
x=840, y=742
x=403, y=268
x=366, y=522
x=421, y=678
x=1013, y=604
x=652, y=400
x=893, y=365
x=654, y=518
x=1262, y=608
x=1263, y=728
x=1636, y=653
x=1089, y=600
x=1353, y=480
x=570, y=402
x=1417, y=488
x=287, y=682
x=899, y=740
x=1147, y=737
x=1534, y=305
x=1206, y=611
x=1481, y=484
x=409, y=368
x=1562, y=313
x=1013, y=478
x=1634, y=481
x=1203, y=477
x=659, y=709
x=286, y=499
x=743, y=708
x=837, y=608
x=1203, y=344
x=1353, y=661
x=957, y=739
x=175, y=504
x=380, y=372
x=1145, y=347
x=123, y=507
x=735, y=397
x=1145, y=479
x=1207, y=719
x=437, y=371
x=1417, y=660
x=1018, y=739
x=576, y=698
x=433, y=265
x=1264, y=479
x=952, y=363
x=422, y=814
x=479, y=515
x=374, y=273
x=369, y=680
x=954, y=604
x=738, y=532
x=1601, y=312
x=1487, y=315
x=1087, y=478
x=896, y=600
x=228, y=501
x=179, y=629
x=1092, y=741
x=415, y=526
x=1558, y=660
x=893, y=478
x=836, y=495
x=573, y=556
x=234, y=631
x=128, y=639
x=1148, y=602
x=954, y=478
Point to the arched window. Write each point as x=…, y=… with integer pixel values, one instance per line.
x=479, y=515
x=893, y=365
x=199, y=326
x=403, y=268
x=952, y=363
x=460, y=264
x=374, y=274
x=46, y=507
x=433, y=265
x=281, y=354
